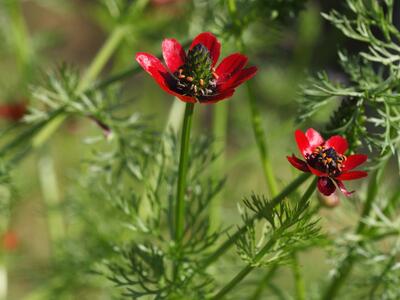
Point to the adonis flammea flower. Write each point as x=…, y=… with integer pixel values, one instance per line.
x=326, y=160
x=192, y=76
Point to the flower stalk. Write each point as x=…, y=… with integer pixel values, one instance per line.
x=298, y=278
x=263, y=283
x=182, y=173
x=256, y=119
x=259, y=134
x=220, y=118
x=102, y=57
x=181, y=186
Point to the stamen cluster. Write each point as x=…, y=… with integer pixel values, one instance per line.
x=197, y=77
x=326, y=160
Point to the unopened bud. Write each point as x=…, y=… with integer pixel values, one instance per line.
x=330, y=201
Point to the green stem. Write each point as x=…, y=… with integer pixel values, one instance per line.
x=102, y=57
x=47, y=131
x=259, y=134
x=220, y=135
x=237, y=279
x=346, y=265
x=298, y=278
x=233, y=238
x=256, y=119
x=20, y=35
x=51, y=196
x=181, y=186
x=173, y=124
x=249, y=268
x=21, y=139
x=182, y=173
x=232, y=8
x=263, y=283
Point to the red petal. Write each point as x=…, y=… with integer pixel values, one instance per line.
x=302, y=142
x=326, y=186
x=173, y=53
x=239, y=78
x=354, y=161
x=217, y=97
x=314, y=138
x=208, y=40
x=338, y=143
x=156, y=69
x=298, y=163
x=343, y=188
x=230, y=65
x=352, y=175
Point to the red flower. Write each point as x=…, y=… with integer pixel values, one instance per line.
x=326, y=159
x=10, y=241
x=192, y=76
x=13, y=112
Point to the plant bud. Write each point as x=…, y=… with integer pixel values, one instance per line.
x=330, y=201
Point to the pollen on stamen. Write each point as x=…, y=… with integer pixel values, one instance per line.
x=326, y=160
x=195, y=77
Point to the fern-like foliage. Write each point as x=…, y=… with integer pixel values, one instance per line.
x=375, y=250
x=288, y=227
x=59, y=91
x=227, y=21
x=368, y=101
x=106, y=185
x=143, y=266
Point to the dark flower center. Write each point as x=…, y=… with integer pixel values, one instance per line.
x=196, y=77
x=326, y=160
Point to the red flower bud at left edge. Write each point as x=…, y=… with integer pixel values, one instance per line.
x=10, y=241
x=13, y=112
x=326, y=160
x=193, y=76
